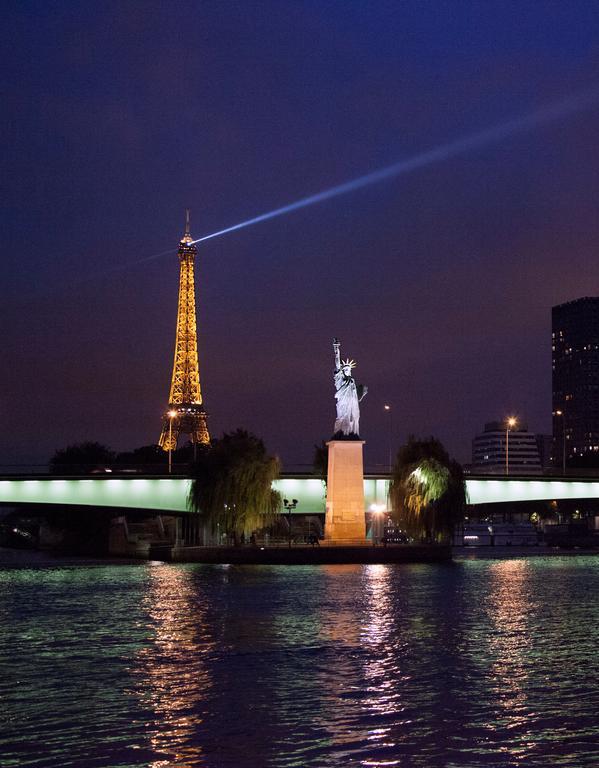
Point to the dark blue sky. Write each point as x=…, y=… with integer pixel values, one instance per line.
x=119, y=115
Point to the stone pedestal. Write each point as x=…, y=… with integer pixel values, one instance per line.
x=345, y=517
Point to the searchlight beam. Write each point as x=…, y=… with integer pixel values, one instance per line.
x=543, y=115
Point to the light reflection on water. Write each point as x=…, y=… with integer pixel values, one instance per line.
x=169, y=674
x=483, y=663
x=509, y=607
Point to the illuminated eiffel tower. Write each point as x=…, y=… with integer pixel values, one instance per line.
x=185, y=414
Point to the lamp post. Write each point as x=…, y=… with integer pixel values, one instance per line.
x=510, y=422
x=563, y=415
x=171, y=416
x=390, y=412
x=289, y=506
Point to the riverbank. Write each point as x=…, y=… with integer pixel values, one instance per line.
x=507, y=552
x=318, y=555
x=34, y=558
x=323, y=555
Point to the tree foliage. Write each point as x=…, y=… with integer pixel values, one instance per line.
x=147, y=458
x=232, y=484
x=81, y=458
x=427, y=490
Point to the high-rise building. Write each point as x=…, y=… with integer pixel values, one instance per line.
x=489, y=451
x=185, y=413
x=545, y=448
x=575, y=354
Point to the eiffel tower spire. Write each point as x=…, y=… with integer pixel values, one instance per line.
x=185, y=414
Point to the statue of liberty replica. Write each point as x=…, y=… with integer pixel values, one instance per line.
x=348, y=395
x=345, y=521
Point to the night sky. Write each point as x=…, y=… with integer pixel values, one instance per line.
x=119, y=115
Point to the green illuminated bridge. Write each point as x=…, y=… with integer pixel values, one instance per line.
x=169, y=494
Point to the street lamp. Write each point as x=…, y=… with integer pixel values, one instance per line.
x=510, y=422
x=563, y=415
x=171, y=416
x=390, y=412
x=289, y=506
x=377, y=517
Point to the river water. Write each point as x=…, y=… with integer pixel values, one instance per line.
x=478, y=663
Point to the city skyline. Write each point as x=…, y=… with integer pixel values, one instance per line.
x=440, y=285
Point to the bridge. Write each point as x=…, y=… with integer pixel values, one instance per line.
x=169, y=494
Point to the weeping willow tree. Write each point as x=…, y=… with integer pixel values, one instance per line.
x=231, y=485
x=427, y=491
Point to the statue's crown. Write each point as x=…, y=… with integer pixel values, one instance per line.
x=348, y=363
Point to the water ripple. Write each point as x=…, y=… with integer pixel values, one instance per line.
x=484, y=663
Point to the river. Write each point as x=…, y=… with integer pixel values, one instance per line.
x=477, y=663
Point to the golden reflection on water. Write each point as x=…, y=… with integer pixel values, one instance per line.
x=509, y=605
x=340, y=630
x=172, y=681
x=339, y=623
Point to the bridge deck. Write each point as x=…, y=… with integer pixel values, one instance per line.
x=169, y=494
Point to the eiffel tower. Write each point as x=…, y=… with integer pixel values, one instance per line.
x=185, y=414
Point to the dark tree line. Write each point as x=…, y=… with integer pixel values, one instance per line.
x=87, y=457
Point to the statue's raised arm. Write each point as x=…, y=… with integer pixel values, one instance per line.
x=347, y=396
x=337, y=351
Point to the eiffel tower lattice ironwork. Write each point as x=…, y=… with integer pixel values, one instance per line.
x=185, y=414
